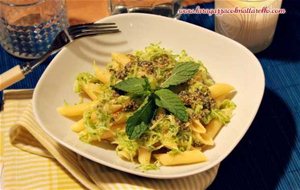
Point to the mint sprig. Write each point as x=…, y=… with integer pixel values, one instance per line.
x=137, y=130
x=134, y=86
x=170, y=101
x=181, y=73
x=139, y=122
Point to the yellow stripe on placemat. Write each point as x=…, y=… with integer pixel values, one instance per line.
x=29, y=165
x=23, y=170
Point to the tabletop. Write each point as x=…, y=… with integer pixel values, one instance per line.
x=268, y=157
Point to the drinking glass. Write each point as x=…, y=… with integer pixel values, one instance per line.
x=28, y=27
x=167, y=8
x=254, y=30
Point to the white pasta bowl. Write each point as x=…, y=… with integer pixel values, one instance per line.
x=226, y=60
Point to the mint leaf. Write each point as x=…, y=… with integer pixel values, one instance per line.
x=138, y=130
x=170, y=101
x=143, y=115
x=136, y=86
x=181, y=73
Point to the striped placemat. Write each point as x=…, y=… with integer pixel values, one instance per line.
x=28, y=165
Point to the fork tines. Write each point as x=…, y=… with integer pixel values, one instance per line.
x=91, y=29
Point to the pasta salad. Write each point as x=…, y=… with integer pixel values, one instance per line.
x=155, y=106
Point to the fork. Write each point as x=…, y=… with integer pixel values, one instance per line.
x=63, y=38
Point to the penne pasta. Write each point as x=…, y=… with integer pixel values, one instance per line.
x=213, y=128
x=144, y=156
x=220, y=89
x=203, y=139
x=120, y=58
x=169, y=144
x=123, y=154
x=110, y=135
x=197, y=126
x=107, y=135
x=78, y=126
x=121, y=119
x=102, y=75
x=91, y=90
x=74, y=110
x=221, y=98
x=186, y=157
x=112, y=108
